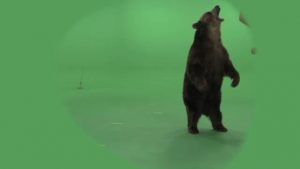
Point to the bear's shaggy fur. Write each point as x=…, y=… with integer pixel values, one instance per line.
x=208, y=62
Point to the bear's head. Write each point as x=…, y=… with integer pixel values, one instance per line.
x=210, y=23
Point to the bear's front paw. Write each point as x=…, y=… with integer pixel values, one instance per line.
x=235, y=81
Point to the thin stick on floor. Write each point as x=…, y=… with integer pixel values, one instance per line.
x=81, y=80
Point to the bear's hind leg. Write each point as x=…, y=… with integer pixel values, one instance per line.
x=194, y=115
x=215, y=113
x=193, y=118
x=216, y=121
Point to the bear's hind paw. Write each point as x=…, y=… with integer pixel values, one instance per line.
x=193, y=130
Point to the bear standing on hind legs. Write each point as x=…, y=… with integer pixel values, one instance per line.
x=208, y=62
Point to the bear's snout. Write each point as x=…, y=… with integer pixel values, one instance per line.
x=216, y=10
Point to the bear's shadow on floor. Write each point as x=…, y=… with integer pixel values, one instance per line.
x=208, y=149
x=164, y=145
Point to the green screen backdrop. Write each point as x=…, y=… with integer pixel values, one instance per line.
x=129, y=57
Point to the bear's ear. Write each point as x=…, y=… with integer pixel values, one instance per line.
x=196, y=25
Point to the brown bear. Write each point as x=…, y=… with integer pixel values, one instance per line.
x=208, y=62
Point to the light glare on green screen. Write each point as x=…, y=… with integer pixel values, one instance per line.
x=134, y=55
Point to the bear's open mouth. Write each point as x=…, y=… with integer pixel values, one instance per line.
x=216, y=12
